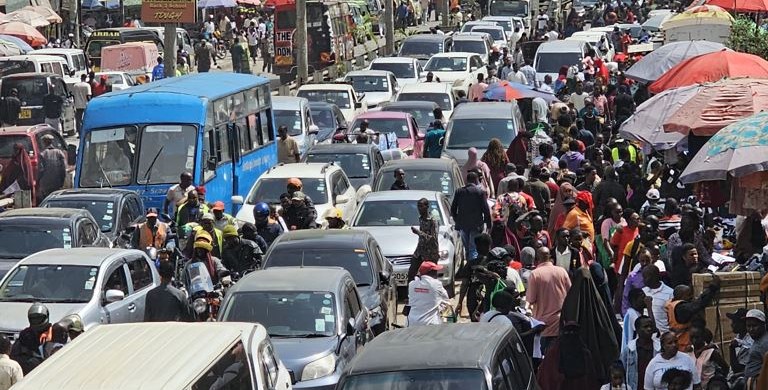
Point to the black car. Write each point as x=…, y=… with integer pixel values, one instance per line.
x=354, y=250
x=427, y=174
x=31, y=230
x=361, y=162
x=459, y=356
x=328, y=118
x=421, y=111
x=114, y=210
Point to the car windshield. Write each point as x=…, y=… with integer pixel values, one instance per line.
x=8, y=141
x=420, y=49
x=470, y=46
x=442, y=99
x=355, y=165
x=269, y=190
x=446, y=64
x=50, y=283
x=286, y=313
x=112, y=78
x=424, y=116
x=382, y=126
x=94, y=47
x=401, y=70
x=290, y=119
x=9, y=67
x=419, y=179
x=551, y=62
x=103, y=212
x=394, y=213
x=369, y=83
x=466, y=133
x=18, y=241
x=355, y=261
x=436, y=379
x=340, y=98
x=31, y=90
x=496, y=33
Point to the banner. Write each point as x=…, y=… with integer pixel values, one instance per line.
x=168, y=11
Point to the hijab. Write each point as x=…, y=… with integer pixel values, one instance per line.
x=474, y=164
x=558, y=207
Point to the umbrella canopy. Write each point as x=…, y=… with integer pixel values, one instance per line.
x=711, y=67
x=659, y=61
x=741, y=5
x=216, y=3
x=9, y=49
x=507, y=90
x=49, y=14
x=24, y=32
x=655, y=22
x=718, y=105
x=31, y=18
x=738, y=149
x=20, y=43
x=646, y=125
x=702, y=12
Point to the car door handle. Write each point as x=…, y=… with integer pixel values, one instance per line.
x=132, y=307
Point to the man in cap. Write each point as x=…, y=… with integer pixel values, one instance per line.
x=240, y=255
x=653, y=205
x=52, y=167
x=73, y=325
x=150, y=234
x=190, y=210
x=755, y=320
x=333, y=217
x=298, y=215
x=220, y=218
x=178, y=192
x=165, y=302
x=741, y=343
x=26, y=350
x=426, y=296
x=204, y=56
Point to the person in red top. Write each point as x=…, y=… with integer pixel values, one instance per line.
x=102, y=87
x=626, y=40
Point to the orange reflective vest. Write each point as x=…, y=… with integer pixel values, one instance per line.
x=682, y=331
x=148, y=238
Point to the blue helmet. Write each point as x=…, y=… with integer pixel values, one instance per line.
x=261, y=209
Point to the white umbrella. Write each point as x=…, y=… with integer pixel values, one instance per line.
x=27, y=17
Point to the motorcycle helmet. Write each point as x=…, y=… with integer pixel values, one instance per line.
x=37, y=315
x=498, y=253
x=261, y=209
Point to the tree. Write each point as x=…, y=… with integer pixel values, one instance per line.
x=748, y=37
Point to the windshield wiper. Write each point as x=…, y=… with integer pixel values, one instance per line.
x=64, y=300
x=15, y=299
x=312, y=335
x=103, y=173
x=148, y=172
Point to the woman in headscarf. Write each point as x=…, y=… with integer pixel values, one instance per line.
x=496, y=159
x=581, y=217
x=567, y=190
x=474, y=164
x=569, y=363
x=18, y=171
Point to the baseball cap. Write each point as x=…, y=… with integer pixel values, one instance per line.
x=737, y=315
x=151, y=212
x=756, y=314
x=298, y=195
x=200, y=190
x=207, y=217
x=428, y=266
x=218, y=206
x=653, y=194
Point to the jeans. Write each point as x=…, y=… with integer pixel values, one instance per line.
x=468, y=236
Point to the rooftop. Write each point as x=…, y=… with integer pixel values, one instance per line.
x=292, y=279
x=76, y=256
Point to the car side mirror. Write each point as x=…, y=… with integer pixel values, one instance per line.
x=474, y=68
x=313, y=130
x=72, y=73
x=113, y=296
x=358, y=104
x=237, y=199
x=210, y=164
x=384, y=277
x=341, y=199
x=421, y=136
x=351, y=327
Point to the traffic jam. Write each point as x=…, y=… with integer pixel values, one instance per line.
x=522, y=196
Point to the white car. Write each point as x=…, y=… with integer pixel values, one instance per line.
x=379, y=86
x=599, y=40
x=513, y=26
x=117, y=80
x=293, y=112
x=467, y=27
x=407, y=70
x=500, y=37
x=460, y=69
x=440, y=93
x=325, y=183
x=341, y=94
x=474, y=42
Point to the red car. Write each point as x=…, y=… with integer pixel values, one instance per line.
x=409, y=139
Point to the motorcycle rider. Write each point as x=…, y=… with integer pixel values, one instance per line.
x=203, y=246
x=333, y=217
x=266, y=227
x=240, y=254
x=150, y=234
x=220, y=218
x=207, y=225
x=299, y=216
x=295, y=185
x=249, y=232
x=27, y=348
x=165, y=302
x=191, y=210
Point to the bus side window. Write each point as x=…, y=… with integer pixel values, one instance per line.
x=244, y=135
x=222, y=144
x=265, y=121
x=208, y=149
x=253, y=130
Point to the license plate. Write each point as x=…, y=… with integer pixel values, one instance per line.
x=400, y=279
x=25, y=114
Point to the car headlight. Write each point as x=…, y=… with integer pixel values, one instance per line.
x=443, y=254
x=319, y=368
x=200, y=305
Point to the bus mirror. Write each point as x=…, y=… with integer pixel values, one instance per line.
x=237, y=199
x=210, y=164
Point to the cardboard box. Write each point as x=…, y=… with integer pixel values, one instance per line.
x=734, y=286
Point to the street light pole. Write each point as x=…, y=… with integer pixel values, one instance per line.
x=300, y=42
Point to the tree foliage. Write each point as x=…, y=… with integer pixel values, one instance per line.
x=747, y=37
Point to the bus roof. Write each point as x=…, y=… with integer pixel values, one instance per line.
x=209, y=85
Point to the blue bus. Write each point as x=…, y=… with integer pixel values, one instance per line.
x=218, y=126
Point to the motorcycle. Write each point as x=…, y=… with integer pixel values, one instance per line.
x=204, y=296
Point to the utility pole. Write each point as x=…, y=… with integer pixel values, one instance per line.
x=444, y=18
x=300, y=42
x=169, y=55
x=389, y=27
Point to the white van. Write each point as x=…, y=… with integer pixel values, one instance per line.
x=164, y=355
x=598, y=39
x=75, y=58
x=28, y=63
x=550, y=56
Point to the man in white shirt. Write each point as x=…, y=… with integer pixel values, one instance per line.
x=10, y=370
x=516, y=75
x=177, y=192
x=426, y=296
x=579, y=97
x=546, y=86
x=81, y=93
x=530, y=73
x=542, y=21
x=209, y=28
x=562, y=249
x=658, y=294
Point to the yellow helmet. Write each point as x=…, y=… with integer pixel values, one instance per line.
x=333, y=212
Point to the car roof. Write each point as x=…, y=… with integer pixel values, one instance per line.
x=321, y=105
x=491, y=26
x=35, y=57
x=77, y=256
x=452, y=54
x=395, y=60
x=380, y=196
x=383, y=115
x=421, y=347
x=171, y=355
x=560, y=46
x=326, y=86
x=484, y=22
x=342, y=148
x=322, y=239
x=56, y=50
x=30, y=75
x=43, y=212
x=288, y=102
x=304, y=169
x=426, y=87
x=422, y=163
x=427, y=38
x=411, y=104
x=293, y=279
x=21, y=130
x=470, y=36
x=371, y=72
x=90, y=194
x=484, y=110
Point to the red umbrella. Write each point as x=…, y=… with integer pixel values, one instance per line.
x=23, y=31
x=711, y=67
x=742, y=5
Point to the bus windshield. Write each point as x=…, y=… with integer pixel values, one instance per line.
x=95, y=45
x=509, y=8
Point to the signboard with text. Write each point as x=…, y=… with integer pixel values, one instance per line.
x=168, y=11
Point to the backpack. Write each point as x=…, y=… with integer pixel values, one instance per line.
x=513, y=205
